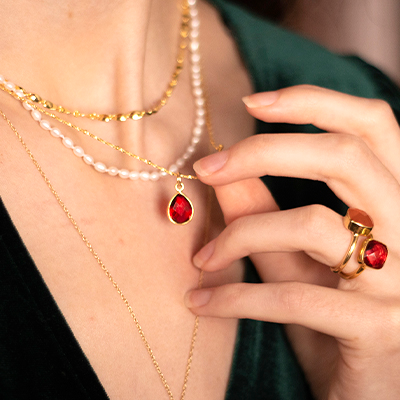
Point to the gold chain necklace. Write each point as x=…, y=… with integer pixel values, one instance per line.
x=180, y=209
x=217, y=147
x=112, y=280
x=134, y=115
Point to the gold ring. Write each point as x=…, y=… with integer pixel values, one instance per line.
x=373, y=254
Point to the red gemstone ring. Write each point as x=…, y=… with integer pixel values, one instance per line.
x=373, y=254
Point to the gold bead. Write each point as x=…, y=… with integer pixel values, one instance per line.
x=48, y=104
x=105, y=118
x=34, y=97
x=136, y=115
x=121, y=117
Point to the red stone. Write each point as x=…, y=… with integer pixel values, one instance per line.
x=180, y=210
x=375, y=254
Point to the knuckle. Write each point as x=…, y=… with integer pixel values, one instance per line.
x=380, y=111
x=352, y=154
x=313, y=220
x=294, y=297
x=234, y=235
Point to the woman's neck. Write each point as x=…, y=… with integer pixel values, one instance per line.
x=104, y=54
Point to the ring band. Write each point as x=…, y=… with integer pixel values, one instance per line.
x=373, y=254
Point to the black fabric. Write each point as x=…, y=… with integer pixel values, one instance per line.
x=39, y=356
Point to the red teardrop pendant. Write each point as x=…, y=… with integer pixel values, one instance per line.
x=180, y=209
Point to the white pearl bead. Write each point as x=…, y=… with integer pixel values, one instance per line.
x=27, y=106
x=56, y=132
x=19, y=93
x=113, y=171
x=68, y=143
x=196, y=68
x=195, y=23
x=191, y=2
x=163, y=173
x=197, y=131
x=88, y=159
x=198, y=92
x=196, y=75
x=9, y=85
x=144, y=176
x=36, y=115
x=199, y=102
x=186, y=156
x=194, y=33
x=196, y=82
x=195, y=58
x=190, y=149
x=45, y=125
x=195, y=140
x=100, y=167
x=200, y=121
x=193, y=12
x=180, y=162
x=200, y=112
x=134, y=175
x=123, y=173
x=2, y=80
x=78, y=151
x=194, y=45
x=173, y=168
x=154, y=176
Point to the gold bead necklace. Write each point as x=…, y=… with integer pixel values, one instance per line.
x=133, y=115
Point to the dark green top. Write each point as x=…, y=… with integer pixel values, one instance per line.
x=39, y=356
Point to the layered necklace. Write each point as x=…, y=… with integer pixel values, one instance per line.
x=180, y=208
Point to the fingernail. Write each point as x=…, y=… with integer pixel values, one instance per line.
x=204, y=254
x=197, y=298
x=260, y=99
x=210, y=164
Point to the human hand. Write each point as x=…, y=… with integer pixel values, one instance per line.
x=345, y=332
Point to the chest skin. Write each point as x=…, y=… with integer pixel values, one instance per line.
x=148, y=256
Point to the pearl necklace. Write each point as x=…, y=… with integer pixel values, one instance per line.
x=197, y=130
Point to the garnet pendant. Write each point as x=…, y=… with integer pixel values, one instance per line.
x=180, y=208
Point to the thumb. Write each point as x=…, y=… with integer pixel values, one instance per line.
x=245, y=197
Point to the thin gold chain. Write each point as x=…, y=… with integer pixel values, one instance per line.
x=138, y=114
x=42, y=110
x=112, y=280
